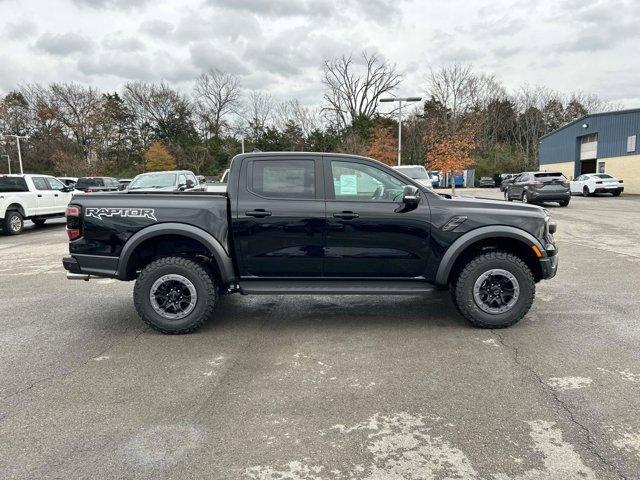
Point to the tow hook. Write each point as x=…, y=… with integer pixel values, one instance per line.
x=78, y=276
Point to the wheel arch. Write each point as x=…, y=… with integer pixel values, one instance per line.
x=491, y=237
x=17, y=206
x=155, y=232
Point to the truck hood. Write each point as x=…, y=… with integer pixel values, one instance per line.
x=481, y=212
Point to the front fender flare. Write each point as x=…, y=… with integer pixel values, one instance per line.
x=499, y=231
x=222, y=258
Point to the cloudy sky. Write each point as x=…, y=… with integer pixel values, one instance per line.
x=279, y=45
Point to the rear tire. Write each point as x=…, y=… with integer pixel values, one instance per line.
x=175, y=276
x=13, y=223
x=475, y=311
x=585, y=191
x=524, y=198
x=564, y=203
x=617, y=193
x=38, y=222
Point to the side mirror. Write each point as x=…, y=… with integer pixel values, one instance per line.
x=190, y=184
x=410, y=195
x=67, y=189
x=182, y=186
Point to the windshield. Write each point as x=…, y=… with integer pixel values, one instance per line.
x=417, y=173
x=153, y=180
x=89, y=182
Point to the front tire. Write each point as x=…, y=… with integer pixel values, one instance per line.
x=13, y=223
x=525, y=199
x=175, y=295
x=585, y=191
x=494, y=290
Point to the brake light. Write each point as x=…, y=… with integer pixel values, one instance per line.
x=73, y=222
x=536, y=184
x=620, y=181
x=565, y=184
x=88, y=190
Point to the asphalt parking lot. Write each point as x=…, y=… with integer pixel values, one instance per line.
x=327, y=387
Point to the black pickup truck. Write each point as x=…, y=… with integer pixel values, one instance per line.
x=311, y=223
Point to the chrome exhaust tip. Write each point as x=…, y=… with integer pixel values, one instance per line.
x=78, y=276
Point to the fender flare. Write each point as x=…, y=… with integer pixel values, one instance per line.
x=10, y=202
x=500, y=231
x=222, y=258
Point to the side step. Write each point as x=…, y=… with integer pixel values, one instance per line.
x=335, y=287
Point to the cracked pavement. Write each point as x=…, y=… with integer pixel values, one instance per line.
x=327, y=387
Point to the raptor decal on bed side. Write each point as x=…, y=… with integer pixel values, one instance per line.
x=99, y=213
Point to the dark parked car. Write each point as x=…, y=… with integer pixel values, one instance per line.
x=539, y=187
x=124, y=183
x=97, y=184
x=506, y=179
x=486, y=182
x=311, y=223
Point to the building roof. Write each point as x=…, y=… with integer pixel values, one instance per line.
x=591, y=115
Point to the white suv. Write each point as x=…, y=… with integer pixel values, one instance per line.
x=31, y=197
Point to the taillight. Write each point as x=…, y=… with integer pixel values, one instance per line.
x=88, y=190
x=620, y=181
x=536, y=184
x=73, y=222
x=599, y=183
x=565, y=184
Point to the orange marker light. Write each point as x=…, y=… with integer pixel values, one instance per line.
x=537, y=251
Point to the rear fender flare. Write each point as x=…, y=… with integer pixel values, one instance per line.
x=222, y=258
x=457, y=247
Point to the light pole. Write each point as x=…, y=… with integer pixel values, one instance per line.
x=18, y=137
x=400, y=100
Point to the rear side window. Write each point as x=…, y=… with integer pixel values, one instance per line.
x=283, y=178
x=90, y=182
x=13, y=184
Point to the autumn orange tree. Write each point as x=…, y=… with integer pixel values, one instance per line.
x=158, y=158
x=450, y=150
x=383, y=146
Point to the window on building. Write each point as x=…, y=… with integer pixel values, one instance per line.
x=631, y=143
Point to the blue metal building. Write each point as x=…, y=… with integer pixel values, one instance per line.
x=603, y=142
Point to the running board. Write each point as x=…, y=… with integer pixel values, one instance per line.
x=335, y=287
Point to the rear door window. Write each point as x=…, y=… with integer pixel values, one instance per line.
x=13, y=184
x=40, y=183
x=293, y=179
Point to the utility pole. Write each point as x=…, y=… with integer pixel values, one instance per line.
x=8, y=162
x=18, y=137
x=400, y=100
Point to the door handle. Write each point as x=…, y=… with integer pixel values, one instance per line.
x=346, y=215
x=258, y=213
x=55, y=194
x=39, y=195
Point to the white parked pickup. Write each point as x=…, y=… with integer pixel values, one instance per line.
x=31, y=197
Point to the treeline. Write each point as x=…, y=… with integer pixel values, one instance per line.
x=464, y=118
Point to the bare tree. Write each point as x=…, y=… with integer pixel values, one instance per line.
x=353, y=90
x=217, y=95
x=455, y=87
x=259, y=110
x=154, y=105
x=292, y=111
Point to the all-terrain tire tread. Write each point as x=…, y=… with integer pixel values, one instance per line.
x=200, y=270
x=466, y=308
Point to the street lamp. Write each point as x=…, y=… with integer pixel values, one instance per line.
x=400, y=100
x=18, y=137
x=8, y=162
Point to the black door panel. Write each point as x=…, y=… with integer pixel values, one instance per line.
x=372, y=237
x=280, y=237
